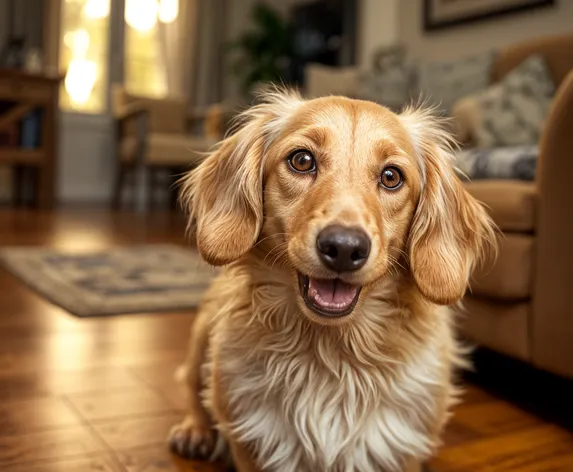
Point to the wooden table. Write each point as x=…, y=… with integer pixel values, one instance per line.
x=28, y=92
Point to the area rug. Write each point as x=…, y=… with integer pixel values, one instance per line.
x=137, y=279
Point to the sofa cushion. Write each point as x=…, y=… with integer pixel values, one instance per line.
x=511, y=112
x=509, y=276
x=503, y=327
x=515, y=162
x=445, y=82
x=511, y=203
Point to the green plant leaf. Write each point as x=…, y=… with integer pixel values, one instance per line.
x=260, y=53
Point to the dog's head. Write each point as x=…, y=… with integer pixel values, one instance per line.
x=341, y=193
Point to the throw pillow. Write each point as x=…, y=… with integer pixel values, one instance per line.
x=392, y=89
x=511, y=112
x=390, y=80
x=444, y=83
x=386, y=58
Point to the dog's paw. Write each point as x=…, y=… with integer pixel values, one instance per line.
x=191, y=440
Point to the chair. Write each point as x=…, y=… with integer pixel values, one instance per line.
x=153, y=136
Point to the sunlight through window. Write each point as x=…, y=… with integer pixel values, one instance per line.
x=84, y=47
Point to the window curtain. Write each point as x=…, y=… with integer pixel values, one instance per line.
x=193, y=49
x=177, y=43
x=205, y=81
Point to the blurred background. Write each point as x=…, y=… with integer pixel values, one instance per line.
x=199, y=61
x=105, y=103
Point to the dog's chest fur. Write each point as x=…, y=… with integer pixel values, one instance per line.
x=302, y=402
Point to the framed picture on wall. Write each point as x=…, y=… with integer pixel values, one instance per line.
x=439, y=14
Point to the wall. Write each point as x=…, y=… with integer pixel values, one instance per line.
x=476, y=37
x=238, y=21
x=86, y=165
x=378, y=27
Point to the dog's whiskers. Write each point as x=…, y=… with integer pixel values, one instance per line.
x=266, y=238
x=282, y=249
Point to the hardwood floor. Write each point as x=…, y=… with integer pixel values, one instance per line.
x=98, y=395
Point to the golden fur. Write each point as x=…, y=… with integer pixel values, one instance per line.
x=289, y=390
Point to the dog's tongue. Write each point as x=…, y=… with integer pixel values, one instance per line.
x=331, y=294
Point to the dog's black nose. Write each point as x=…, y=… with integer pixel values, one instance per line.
x=343, y=249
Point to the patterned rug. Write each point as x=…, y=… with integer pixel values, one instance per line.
x=152, y=278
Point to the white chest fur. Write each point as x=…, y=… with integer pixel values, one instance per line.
x=302, y=415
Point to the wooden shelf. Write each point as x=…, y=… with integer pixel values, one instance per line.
x=21, y=156
x=28, y=92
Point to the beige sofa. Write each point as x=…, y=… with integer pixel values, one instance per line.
x=523, y=305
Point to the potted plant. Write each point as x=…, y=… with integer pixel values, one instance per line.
x=263, y=54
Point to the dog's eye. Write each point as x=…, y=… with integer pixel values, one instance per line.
x=302, y=162
x=391, y=178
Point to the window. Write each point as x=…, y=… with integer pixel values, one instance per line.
x=84, y=50
x=84, y=47
x=145, y=43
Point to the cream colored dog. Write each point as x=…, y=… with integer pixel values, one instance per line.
x=325, y=344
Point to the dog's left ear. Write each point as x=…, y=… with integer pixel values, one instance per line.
x=450, y=230
x=225, y=193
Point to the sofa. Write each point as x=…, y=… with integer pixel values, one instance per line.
x=521, y=305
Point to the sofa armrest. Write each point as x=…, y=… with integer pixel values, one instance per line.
x=553, y=284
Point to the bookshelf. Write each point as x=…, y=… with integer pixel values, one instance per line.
x=29, y=131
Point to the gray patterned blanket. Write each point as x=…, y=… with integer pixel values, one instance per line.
x=516, y=162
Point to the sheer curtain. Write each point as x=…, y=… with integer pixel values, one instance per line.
x=205, y=81
x=180, y=54
x=159, y=46
x=177, y=41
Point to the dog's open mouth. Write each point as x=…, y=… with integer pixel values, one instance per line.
x=328, y=297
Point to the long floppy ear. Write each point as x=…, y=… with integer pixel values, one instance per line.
x=450, y=230
x=225, y=193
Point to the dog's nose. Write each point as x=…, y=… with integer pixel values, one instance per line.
x=343, y=249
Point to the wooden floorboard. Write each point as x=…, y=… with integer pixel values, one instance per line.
x=98, y=394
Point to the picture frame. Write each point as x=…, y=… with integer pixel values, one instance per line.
x=441, y=14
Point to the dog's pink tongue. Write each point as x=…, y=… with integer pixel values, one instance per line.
x=331, y=294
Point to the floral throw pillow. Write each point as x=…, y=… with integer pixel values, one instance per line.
x=511, y=112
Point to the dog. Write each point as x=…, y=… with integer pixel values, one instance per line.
x=326, y=343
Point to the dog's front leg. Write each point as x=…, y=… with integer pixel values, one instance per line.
x=195, y=437
x=242, y=459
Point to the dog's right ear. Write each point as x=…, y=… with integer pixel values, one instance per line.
x=225, y=193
